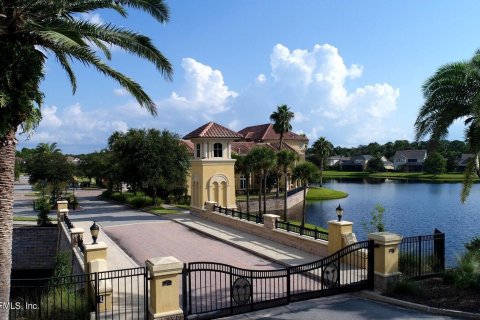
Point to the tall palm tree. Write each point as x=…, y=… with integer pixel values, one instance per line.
x=285, y=160
x=453, y=93
x=244, y=166
x=49, y=148
x=305, y=172
x=281, y=121
x=32, y=31
x=322, y=149
x=262, y=159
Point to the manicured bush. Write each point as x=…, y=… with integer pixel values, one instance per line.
x=42, y=205
x=405, y=287
x=473, y=245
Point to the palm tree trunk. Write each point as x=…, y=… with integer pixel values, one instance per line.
x=248, y=193
x=265, y=194
x=304, y=204
x=260, y=197
x=7, y=167
x=278, y=186
x=321, y=173
x=285, y=199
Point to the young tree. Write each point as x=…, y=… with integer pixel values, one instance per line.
x=322, y=149
x=28, y=29
x=262, y=159
x=375, y=164
x=453, y=93
x=305, y=172
x=244, y=166
x=281, y=119
x=435, y=163
x=285, y=160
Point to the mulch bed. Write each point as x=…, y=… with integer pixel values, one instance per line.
x=437, y=294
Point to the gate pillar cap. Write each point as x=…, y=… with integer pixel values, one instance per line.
x=98, y=246
x=385, y=238
x=340, y=223
x=164, y=265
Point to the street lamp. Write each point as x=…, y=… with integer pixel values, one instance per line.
x=94, y=229
x=339, y=212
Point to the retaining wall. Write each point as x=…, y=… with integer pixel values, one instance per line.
x=34, y=247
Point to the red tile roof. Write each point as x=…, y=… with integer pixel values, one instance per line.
x=189, y=145
x=264, y=132
x=242, y=147
x=213, y=130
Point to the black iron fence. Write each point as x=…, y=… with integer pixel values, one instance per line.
x=118, y=294
x=238, y=214
x=422, y=256
x=212, y=290
x=303, y=231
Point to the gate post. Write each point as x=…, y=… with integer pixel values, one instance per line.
x=335, y=231
x=165, y=275
x=385, y=258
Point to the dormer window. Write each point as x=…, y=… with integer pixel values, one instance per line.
x=198, y=150
x=217, y=150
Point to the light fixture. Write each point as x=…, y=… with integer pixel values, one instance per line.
x=339, y=211
x=94, y=229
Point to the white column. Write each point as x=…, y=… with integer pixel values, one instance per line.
x=205, y=148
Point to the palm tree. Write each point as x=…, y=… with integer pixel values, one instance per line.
x=281, y=119
x=244, y=166
x=47, y=148
x=453, y=93
x=305, y=172
x=262, y=159
x=285, y=160
x=322, y=149
x=30, y=32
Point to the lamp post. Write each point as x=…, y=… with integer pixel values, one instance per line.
x=94, y=229
x=339, y=212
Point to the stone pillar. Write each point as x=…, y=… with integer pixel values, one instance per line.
x=209, y=205
x=269, y=221
x=76, y=236
x=164, y=288
x=94, y=252
x=61, y=213
x=386, y=258
x=104, y=290
x=335, y=231
x=62, y=204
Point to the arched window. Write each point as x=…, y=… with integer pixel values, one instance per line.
x=217, y=150
x=198, y=150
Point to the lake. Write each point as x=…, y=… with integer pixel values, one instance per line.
x=411, y=208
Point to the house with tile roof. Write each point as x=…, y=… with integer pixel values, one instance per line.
x=462, y=163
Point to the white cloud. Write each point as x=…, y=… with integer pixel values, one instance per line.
x=133, y=109
x=121, y=92
x=49, y=117
x=204, y=89
x=92, y=18
x=261, y=78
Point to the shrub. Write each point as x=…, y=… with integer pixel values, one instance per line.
x=120, y=197
x=43, y=207
x=473, y=245
x=467, y=273
x=405, y=287
x=377, y=224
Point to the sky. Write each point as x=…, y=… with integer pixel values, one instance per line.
x=351, y=70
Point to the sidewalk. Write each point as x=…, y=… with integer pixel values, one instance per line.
x=277, y=252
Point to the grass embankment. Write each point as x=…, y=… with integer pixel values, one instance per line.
x=34, y=219
x=308, y=225
x=141, y=201
x=324, y=194
x=444, y=177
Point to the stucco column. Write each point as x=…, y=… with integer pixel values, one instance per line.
x=269, y=221
x=209, y=205
x=62, y=204
x=386, y=258
x=93, y=252
x=335, y=231
x=165, y=275
x=61, y=213
x=76, y=236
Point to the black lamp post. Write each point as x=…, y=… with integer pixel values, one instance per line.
x=339, y=212
x=94, y=229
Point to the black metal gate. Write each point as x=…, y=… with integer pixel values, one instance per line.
x=214, y=290
x=117, y=294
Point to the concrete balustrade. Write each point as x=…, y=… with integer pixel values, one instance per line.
x=76, y=236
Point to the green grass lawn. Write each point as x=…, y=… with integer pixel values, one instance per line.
x=160, y=211
x=308, y=225
x=325, y=194
x=445, y=177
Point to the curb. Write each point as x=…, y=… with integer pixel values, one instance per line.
x=375, y=296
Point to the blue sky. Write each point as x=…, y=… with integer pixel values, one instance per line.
x=351, y=71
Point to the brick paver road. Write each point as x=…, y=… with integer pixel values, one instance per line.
x=144, y=236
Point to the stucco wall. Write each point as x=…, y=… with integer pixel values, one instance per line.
x=308, y=244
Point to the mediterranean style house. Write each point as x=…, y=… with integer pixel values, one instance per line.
x=212, y=176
